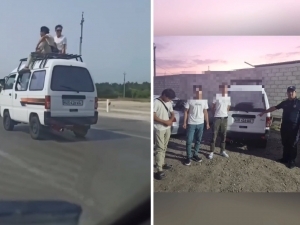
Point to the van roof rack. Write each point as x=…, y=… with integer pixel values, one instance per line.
x=44, y=58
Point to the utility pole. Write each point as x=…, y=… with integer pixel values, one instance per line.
x=124, y=85
x=81, y=24
x=154, y=60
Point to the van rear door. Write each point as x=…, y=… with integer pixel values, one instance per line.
x=243, y=115
x=72, y=92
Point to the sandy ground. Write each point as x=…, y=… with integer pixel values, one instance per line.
x=249, y=169
x=126, y=110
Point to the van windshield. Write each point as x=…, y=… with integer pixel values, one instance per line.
x=247, y=101
x=71, y=78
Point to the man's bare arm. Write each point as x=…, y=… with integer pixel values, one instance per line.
x=206, y=116
x=163, y=122
x=213, y=109
x=273, y=108
x=172, y=116
x=185, y=116
x=64, y=49
x=41, y=40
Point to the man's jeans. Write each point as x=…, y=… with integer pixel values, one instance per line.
x=193, y=131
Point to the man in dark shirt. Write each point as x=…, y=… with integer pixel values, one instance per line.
x=289, y=126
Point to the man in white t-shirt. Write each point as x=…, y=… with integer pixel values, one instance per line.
x=60, y=40
x=45, y=45
x=221, y=106
x=163, y=119
x=194, y=116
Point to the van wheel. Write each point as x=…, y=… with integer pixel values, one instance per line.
x=35, y=128
x=8, y=123
x=80, y=131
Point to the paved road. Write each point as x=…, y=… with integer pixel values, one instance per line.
x=103, y=173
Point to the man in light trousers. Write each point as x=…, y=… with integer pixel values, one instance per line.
x=163, y=119
x=221, y=106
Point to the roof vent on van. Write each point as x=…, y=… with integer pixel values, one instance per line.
x=43, y=58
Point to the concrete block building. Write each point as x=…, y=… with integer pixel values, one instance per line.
x=275, y=77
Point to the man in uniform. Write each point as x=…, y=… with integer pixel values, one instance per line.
x=289, y=126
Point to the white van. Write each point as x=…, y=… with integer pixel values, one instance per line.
x=244, y=123
x=57, y=93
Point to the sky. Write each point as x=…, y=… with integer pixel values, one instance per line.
x=116, y=34
x=194, y=54
x=226, y=17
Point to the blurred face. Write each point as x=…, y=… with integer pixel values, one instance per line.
x=198, y=95
x=42, y=34
x=224, y=91
x=291, y=94
x=58, y=31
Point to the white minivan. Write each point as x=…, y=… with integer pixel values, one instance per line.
x=244, y=123
x=58, y=92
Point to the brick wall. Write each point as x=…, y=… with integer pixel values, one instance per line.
x=275, y=79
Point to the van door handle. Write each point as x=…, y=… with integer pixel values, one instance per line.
x=9, y=94
x=15, y=96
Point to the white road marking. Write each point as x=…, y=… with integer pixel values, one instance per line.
x=127, y=134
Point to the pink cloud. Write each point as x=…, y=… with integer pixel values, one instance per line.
x=208, y=61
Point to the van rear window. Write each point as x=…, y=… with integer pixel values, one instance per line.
x=71, y=78
x=248, y=101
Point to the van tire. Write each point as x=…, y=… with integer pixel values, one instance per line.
x=80, y=131
x=8, y=123
x=35, y=128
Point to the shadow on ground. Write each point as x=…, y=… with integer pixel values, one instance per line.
x=68, y=136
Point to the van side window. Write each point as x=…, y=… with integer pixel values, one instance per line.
x=22, y=82
x=10, y=82
x=37, y=81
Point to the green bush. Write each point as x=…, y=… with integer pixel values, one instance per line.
x=132, y=90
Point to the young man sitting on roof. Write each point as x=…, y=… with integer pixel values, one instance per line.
x=45, y=45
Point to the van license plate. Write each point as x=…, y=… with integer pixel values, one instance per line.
x=242, y=120
x=72, y=102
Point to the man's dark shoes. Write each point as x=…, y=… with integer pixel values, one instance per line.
x=197, y=158
x=167, y=166
x=291, y=164
x=282, y=160
x=187, y=162
x=160, y=175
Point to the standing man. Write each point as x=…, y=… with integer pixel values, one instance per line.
x=221, y=106
x=289, y=126
x=163, y=119
x=194, y=116
x=60, y=40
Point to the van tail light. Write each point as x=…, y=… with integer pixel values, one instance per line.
x=47, y=102
x=96, y=103
x=268, y=122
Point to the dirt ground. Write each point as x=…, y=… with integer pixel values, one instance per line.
x=127, y=105
x=248, y=169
